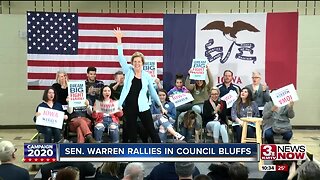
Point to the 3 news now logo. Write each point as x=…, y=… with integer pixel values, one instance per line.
x=283, y=152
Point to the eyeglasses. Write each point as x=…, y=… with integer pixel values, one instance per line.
x=214, y=94
x=255, y=77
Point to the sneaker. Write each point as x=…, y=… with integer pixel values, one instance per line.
x=90, y=139
x=179, y=136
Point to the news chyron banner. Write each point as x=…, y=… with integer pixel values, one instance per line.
x=123, y=152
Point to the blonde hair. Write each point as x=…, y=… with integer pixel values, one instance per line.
x=216, y=89
x=61, y=72
x=137, y=54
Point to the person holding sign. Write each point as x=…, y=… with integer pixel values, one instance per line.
x=61, y=87
x=200, y=91
x=165, y=123
x=49, y=101
x=215, y=116
x=80, y=123
x=133, y=97
x=260, y=92
x=227, y=86
x=276, y=120
x=241, y=108
x=106, y=113
x=179, y=88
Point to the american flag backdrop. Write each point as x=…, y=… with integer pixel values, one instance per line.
x=74, y=41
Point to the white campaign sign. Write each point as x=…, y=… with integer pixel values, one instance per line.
x=107, y=108
x=180, y=99
x=230, y=98
x=198, y=69
x=50, y=117
x=151, y=68
x=284, y=95
x=77, y=93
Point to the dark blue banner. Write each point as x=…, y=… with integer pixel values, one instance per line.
x=158, y=152
x=40, y=152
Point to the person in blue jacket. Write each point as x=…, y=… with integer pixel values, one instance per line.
x=133, y=98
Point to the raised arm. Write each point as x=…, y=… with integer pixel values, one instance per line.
x=188, y=84
x=122, y=60
x=209, y=74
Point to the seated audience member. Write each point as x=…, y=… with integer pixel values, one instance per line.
x=80, y=123
x=219, y=171
x=107, y=114
x=190, y=122
x=177, y=89
x=165, y=124
x=202, y=177
x=276, y=120
x=61, y=87
x=93, y=85
x=68, y=173
x=214, y=116
x=134, y=171
x=278, y=175
x=260, y=92
x=240, y=109
x=184, y=169
x=108, y=170
x=227, y=86
x=200, y=91
x=309, y=170
x=85, y=168
x=49, y=101
x=118, y=85
x=238, y=171
x=8, y=170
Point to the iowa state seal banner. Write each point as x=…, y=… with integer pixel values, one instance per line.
x=242, y=43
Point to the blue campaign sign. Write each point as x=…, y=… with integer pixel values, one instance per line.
x=162, y=152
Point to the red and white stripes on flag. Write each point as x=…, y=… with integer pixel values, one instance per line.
x=96, y=45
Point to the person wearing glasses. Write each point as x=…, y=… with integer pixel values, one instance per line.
x=260, y=91
x=8, y=170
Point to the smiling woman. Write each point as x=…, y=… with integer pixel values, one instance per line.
x=134, y=95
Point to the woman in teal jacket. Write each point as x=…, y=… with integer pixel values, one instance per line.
x=133, y=97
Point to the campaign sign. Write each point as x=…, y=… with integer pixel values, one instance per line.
x=284, y=95
x=198, y=69
x=50, y=117
x=283, y=152
x=230, y=98
x=108, y=108
x=181, y=99
x=155, y=152
x=151, y=68
x=40, y=153
x=77, y=93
